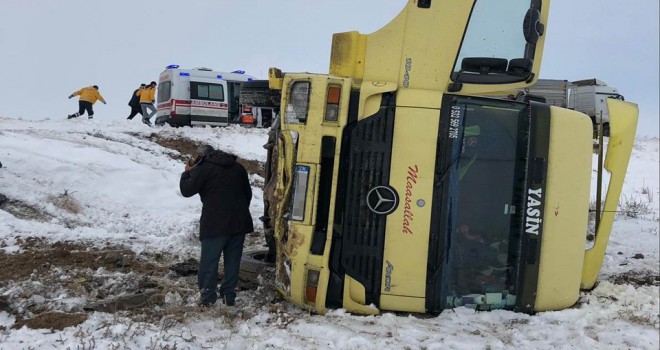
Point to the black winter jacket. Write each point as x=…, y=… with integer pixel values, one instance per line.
x=135, y=99
x=224, y=188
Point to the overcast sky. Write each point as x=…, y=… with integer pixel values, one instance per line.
x=49, y=48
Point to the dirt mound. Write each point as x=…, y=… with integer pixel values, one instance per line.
x=52, y=320
x=144, y=287
x=24, y=211
x=38, y=257
x=187, y=148
x=637, y=278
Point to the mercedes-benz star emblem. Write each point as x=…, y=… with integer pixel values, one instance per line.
x=382, y=200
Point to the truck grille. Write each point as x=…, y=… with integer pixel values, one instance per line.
x=370, y=151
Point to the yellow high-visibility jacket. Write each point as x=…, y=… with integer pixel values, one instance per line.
x=147, y=95
x=89, y=94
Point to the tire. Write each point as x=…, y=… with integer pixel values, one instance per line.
x=253, y=265
x=258, y=94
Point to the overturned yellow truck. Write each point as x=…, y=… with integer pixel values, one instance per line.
x=392, y=186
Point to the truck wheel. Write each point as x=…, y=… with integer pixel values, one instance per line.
x=253, y=264
x=258, y=94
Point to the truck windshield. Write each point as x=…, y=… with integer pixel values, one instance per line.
x=495, y=34
x=485, y=202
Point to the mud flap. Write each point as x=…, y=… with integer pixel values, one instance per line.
x=623, y=124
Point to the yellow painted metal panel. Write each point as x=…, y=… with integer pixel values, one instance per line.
x=354, y=296
x=370, y=97
x=623, y=124
x=419, y=98
x=294, y=258
x=296, y=249
x=401, y=303
x=347, y=55
x=566, y=210
x=418, y=48
x=411, y=175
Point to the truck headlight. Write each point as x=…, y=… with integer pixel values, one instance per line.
x=298, y=104
x=300, y=180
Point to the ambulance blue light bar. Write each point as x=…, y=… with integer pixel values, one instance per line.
x=219, y=76
x=239, y=72
x=249, y=79
x=183, y=74
x=172, y=66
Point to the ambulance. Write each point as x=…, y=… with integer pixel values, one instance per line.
x=199, y=96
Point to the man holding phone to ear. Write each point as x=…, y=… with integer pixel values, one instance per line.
x=224, y=188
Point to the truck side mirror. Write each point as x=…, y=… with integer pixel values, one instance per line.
x=521, y=67
x=484, y=65
x=477, y=65
x=532, y=26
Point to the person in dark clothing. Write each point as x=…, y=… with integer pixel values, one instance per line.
x=224, y=188
x=3, y=198
x=134, y=103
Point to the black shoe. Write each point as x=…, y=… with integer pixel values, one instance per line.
x=146, y=121
x=227, y=302
x=90, y=117
x=205, y=305
x=71, y=116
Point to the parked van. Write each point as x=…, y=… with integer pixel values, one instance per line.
x=199, y=96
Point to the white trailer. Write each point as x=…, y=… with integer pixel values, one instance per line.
x=588, y=96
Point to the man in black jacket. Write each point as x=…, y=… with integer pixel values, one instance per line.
x=224, y=188
x=134, y=103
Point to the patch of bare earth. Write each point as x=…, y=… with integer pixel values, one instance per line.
x=637, y=278
x=52, y=320
x=186, y=149
x=107, y=279
x=25, y=211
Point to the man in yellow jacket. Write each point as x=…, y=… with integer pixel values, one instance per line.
x=88, y=97
x=147, y=99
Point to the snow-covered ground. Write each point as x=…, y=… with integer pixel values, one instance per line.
x=122, y=190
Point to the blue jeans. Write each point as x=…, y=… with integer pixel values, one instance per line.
x=231, y=247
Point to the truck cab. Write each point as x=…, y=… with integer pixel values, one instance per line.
x=391, y=185
x=590, y=97
x=199, y=96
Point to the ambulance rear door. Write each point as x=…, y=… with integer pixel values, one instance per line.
x=165, y=94
x=208, y=101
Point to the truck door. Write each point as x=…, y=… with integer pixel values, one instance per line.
x=208, y=102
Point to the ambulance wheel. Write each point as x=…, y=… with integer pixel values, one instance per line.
x=258, y=94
